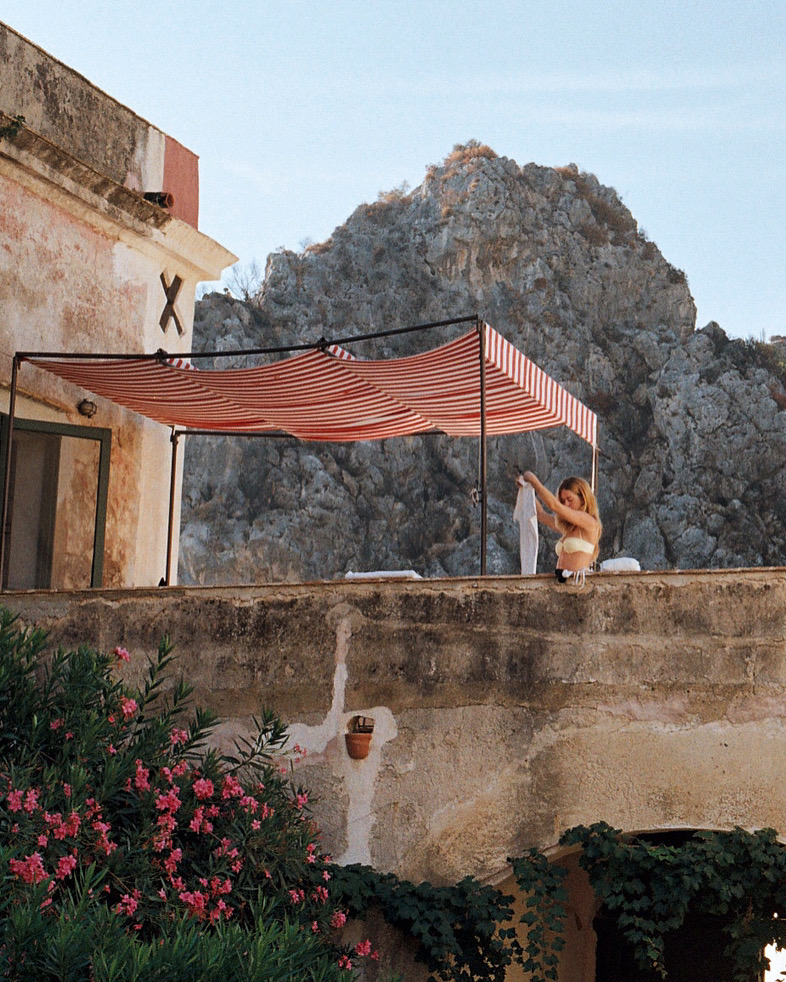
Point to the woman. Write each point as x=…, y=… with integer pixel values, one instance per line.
x=574, y=513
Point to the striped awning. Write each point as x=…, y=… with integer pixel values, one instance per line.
x=329, y=395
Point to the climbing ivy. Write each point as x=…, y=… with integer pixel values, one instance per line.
x=460, y=929
x=542, y=883
x=650, y=887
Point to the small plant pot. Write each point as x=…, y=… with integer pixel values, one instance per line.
x=358, y=745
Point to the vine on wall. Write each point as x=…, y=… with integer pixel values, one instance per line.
x=464, y=931
x=650, y=888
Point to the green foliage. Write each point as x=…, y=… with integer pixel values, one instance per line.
x=542, y=883
x=131, y=850
x=650, y=887
x=10, y=130
x=461, y=930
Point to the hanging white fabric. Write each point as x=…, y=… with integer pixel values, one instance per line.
x=525, y=514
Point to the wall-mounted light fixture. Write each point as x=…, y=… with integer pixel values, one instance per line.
x=87, y=408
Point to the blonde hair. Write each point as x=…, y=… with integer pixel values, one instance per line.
x=589, y=502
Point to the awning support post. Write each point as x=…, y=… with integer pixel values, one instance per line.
x=7, y=478
x=483, y=512
x=175, y=437
x=594, y=478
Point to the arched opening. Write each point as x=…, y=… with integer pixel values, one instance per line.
x=708, y=932
x=694, y=952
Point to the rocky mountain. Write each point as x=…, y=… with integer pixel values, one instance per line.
x=692, y=424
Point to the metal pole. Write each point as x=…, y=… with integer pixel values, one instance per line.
x=171, y=527
x=594, y=480
x=483, y=514
x=7, y=478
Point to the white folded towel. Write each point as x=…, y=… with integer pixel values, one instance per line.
x=384, y=574
x=623, y=564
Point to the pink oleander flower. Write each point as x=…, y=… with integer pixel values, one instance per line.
x=142, y=777
x=199, y=823
x=128, y=904
x=345, y=962
x=231, y=788
x=66, y=789
x=170, y=864
x=363, y=948
x=302, y=799
x=256, y=824
x=31, y=801
x=203, y=788
x=121, y=654
x=56, y=724
x=15, y=800
x=339, y=919
x=30, y=869
x=170, y=801
x=65, y=866
x=196, y=902
x=178, y=736
x=128, y=707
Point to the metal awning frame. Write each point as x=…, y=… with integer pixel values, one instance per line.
x=176, y=433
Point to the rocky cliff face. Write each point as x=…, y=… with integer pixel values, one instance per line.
x=692, y=425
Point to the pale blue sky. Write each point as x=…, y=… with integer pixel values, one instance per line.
x=300, y=111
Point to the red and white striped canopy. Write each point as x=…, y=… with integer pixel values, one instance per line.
x=329, y=395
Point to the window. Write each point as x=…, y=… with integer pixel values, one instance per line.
x=56, y=511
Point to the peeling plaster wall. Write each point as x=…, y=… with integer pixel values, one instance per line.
x=506, y=709
x=65, y=286
x=81, y=259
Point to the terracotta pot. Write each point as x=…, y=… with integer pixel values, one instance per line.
x=358, y=745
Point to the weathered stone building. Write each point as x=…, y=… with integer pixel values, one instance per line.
x=92, y=259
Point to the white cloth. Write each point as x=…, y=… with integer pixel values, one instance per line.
x=623, y=564
x=384, y=574
x=524, y=513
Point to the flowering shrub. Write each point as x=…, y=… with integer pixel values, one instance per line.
x=130, y=849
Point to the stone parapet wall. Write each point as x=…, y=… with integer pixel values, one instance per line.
x=506, y=709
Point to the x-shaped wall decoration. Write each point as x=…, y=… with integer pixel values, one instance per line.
x=171, y=290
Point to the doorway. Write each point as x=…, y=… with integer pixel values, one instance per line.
x=56, y=511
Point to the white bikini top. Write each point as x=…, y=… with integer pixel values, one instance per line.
x=574, y=544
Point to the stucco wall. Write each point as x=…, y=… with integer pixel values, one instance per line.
x=506, y=709
x=81, y=260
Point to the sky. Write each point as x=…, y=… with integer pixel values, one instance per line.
x=300, y=111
